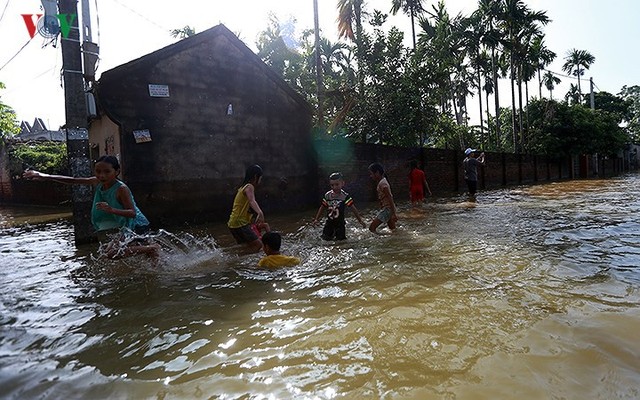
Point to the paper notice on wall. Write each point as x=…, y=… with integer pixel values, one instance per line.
x=158, y=90
x=142, y=136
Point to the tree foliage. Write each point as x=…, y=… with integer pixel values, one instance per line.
x=8, y=122
x=376, y=89
x=559, y=129
x=383, y=112
x=183, y=33
x=631, y=94
x=619, y=107
x=576, y=62
x=45, y=156
x=277, y=47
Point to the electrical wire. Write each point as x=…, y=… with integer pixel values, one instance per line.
x=562, y=75
x=33, y=81
x=570, y=77
x=15, y=55
x=5, y=10
x=142, y=16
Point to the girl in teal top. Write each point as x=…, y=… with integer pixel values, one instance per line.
x=106, y=218
x=113, y=205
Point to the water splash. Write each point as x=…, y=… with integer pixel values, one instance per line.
x=180, y=251
x=185, y=251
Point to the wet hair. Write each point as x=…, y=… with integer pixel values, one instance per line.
x=335, y=176
x=254, y=171
x=377, y=167
x=273, y=240
x=110, y=160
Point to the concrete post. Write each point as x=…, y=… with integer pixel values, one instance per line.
x=76, y=124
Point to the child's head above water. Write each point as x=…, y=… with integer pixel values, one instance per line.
x=336, y=182
x=271, y=242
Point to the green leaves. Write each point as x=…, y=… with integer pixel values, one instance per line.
x=8, y=123
x=560, y=129
x=576, y=62
x=376, y=89
x=49, y=157
x=631, y=95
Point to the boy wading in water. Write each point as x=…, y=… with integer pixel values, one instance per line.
x=271, y=245
x=387, y=213
x=335, y=201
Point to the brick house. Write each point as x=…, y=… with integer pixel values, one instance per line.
x=186, y=120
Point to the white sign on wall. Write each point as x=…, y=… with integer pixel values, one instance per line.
x=158, y=90
x=142, y=136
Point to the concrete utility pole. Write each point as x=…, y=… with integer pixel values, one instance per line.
x=76, y=124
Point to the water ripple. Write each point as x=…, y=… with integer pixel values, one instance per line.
x=514, y=293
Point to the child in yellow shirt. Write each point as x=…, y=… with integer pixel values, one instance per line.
x=271, y=242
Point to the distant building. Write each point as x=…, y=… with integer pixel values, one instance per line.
x=188, y=119
x=39, y=131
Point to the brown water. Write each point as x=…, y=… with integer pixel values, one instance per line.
x=528, y=293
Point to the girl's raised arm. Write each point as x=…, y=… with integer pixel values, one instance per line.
x=67, y=180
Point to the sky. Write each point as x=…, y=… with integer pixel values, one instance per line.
x=128, y=29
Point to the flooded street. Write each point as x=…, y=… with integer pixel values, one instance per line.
x=529, y=292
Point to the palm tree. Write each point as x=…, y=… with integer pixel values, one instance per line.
x=333, y=57
x=338, y=78
x=519, y=23
x=576, y=62
x=410, y=7
x=489, y=12
x=488, y=89
x=528, y=68
x=350, y=13
x=272, y=48
x=442, y=50
x=573, y=95
x=473, y=32
x=550, y=80
x=542, y=56
x=527, y=63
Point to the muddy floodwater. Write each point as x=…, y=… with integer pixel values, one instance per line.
x=527, y=293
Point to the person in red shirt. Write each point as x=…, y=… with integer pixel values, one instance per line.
x=417, y=184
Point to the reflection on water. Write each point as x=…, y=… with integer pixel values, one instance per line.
x=529, y=292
